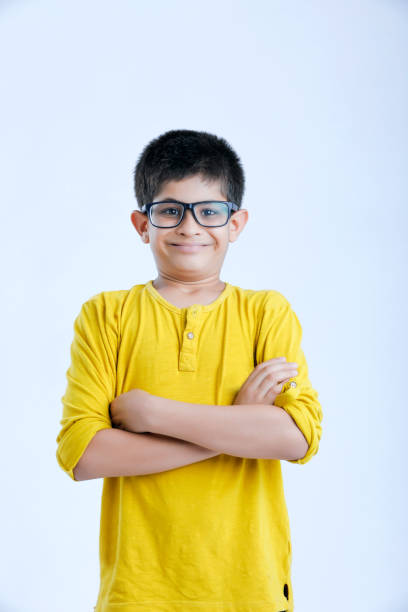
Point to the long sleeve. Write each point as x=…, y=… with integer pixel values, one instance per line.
x=280, y=335
x=91, y=380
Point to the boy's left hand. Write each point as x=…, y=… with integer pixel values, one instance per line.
x=128, y=410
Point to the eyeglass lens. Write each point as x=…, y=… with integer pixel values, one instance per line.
x=209, y=214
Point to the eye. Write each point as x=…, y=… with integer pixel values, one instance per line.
x=162, y=212
x=210, y=210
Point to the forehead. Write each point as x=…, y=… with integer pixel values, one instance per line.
x=191, y=189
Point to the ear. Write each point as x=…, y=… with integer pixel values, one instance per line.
x=141, y=224
x=237, y=223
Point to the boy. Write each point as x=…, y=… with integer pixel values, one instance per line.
x=184, y=393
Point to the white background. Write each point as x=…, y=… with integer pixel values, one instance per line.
x=313, y=96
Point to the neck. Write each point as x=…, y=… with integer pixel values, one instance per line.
x=208, y=283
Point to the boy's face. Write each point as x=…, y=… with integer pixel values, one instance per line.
x=204, y=261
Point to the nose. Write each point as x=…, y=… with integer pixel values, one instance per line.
x=188, y=222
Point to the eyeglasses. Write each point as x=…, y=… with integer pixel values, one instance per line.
x=208, y=213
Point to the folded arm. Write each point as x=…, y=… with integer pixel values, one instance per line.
x=88, y=446
x=258, y=431
x=113, y=452
x=253, y=431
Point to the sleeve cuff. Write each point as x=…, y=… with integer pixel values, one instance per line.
x=72, y=446
x=302, y=409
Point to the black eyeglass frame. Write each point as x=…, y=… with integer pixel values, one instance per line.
x=232, y=207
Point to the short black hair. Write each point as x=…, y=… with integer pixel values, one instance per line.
x=177, y=154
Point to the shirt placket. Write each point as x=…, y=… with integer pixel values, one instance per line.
x=191, y=330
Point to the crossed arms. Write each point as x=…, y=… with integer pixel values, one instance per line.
x=136, y=433
x=153, y=434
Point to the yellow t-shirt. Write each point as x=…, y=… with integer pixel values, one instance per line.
x=212, y=535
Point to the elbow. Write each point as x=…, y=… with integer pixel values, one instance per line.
x=299, y=445
x=88, y=450
x=83, y=469
x=78, y=471
x=301, y=448
x=74, y=473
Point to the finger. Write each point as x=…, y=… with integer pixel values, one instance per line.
x=284, y=368
x=274, y=373
x=268, y=363
x=272, y=392
x=273, y=383
x=275, y=361
x=275, y=386
x=268, y=385
x=259, y=373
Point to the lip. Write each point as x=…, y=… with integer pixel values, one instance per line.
x=188, y=248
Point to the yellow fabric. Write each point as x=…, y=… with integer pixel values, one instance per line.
x=213, y=535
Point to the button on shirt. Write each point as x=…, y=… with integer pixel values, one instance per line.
x=213, y=535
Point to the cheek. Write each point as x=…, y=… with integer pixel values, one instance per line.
x=157, y=241
x=220, y=239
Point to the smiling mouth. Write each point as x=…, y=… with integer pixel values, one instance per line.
x=188, y=248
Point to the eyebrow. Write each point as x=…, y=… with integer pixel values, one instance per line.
x=180, y=202
x=171, y=200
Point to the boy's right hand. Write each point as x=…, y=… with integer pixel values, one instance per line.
x=266, y=381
